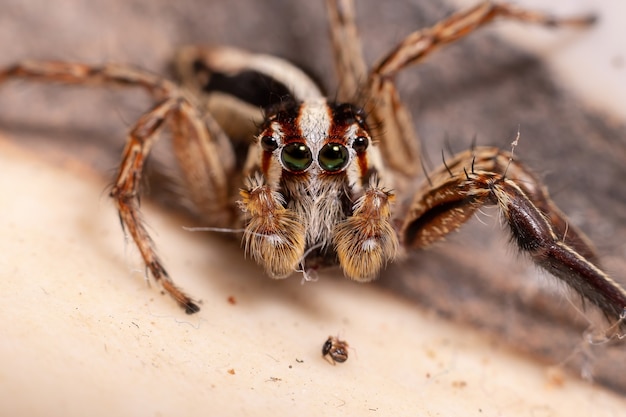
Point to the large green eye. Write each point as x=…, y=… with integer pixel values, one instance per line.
x=296, y=157
x=333, y=157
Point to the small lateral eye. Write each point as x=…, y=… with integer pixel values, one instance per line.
x=269, y=143
x=360, y=144
x=296, y=157
x=333, y=157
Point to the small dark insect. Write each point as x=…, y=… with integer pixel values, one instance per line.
x=335, y=350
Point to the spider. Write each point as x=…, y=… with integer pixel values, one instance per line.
x=315, y=182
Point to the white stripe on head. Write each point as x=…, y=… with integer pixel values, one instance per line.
x=315, y=122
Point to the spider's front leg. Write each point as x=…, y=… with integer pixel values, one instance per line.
x=483, y=177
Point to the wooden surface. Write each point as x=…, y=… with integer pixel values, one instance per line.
x=481, y=87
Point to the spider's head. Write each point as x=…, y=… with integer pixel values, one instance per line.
x=309, y=167
x=313, y=141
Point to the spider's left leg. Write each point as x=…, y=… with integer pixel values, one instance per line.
x=469, y=181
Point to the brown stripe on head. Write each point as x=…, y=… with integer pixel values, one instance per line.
x=350, y=129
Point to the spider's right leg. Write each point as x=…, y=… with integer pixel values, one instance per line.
x=125, y=192
x=88, y=75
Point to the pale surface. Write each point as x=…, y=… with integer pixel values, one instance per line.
x=84, y=335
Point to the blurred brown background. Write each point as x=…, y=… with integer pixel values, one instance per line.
x=481, y=87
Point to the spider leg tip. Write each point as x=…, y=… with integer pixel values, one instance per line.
x=191, y=307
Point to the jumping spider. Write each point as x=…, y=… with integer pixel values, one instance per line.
x=317, y=184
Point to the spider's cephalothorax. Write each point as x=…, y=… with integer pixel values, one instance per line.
x=314, y=189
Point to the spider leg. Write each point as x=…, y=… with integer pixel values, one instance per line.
x=207, y=159
x=349, y=62
x=536, y=227
x=88, y=75
x=388, y=115
x=419, y=44
x=492, y=159
x=126, y=188
x=200, y=146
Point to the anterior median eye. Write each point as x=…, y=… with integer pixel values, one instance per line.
x=333, y=157
x=296, y=157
